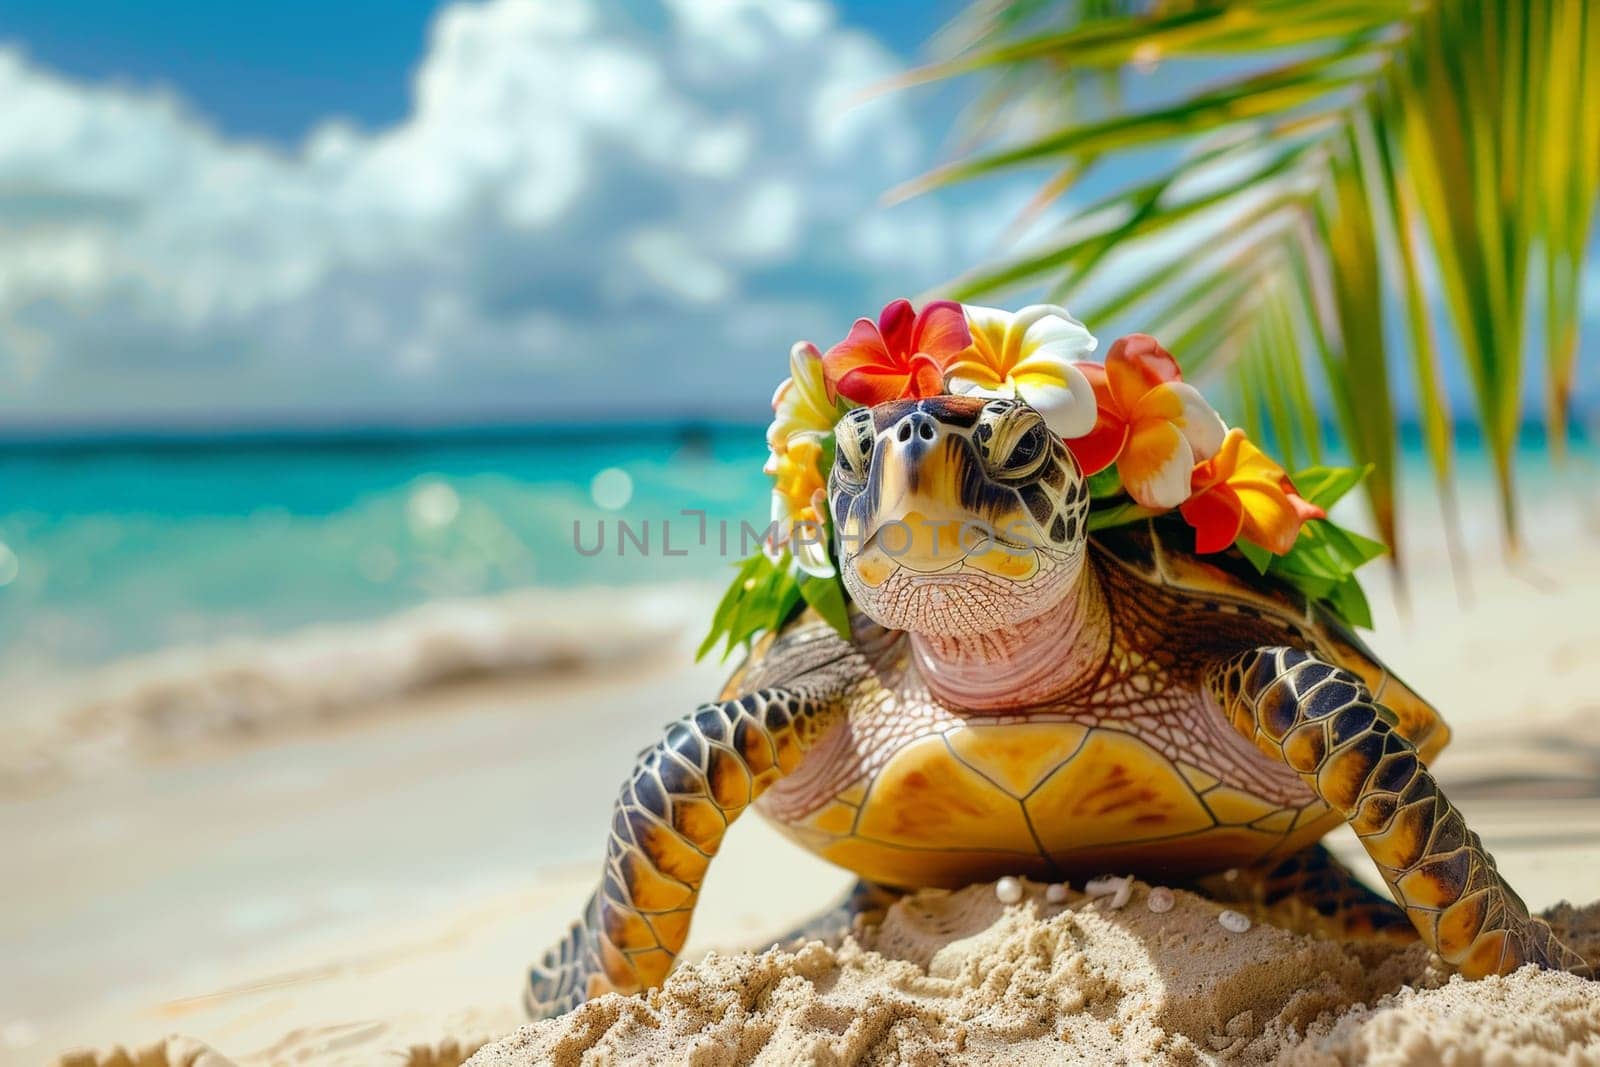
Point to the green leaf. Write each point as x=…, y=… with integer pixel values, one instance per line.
x=1117, y=515
x=760, y=597
x=1358, y=372
x=1353, y=548
x=1310, y=561
x=1444, y=173
x=1324, y=486
x=1282, y=89
x=727, y=608
x=1106, y=483
x=1349, y=602
x=827, y=597
x=1323, y=561
x=1259, y=557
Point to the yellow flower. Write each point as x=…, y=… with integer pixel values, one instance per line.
x=799, y=506
x=801, y=407
x=1029, y=355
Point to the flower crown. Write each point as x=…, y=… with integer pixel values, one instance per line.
x=1148, y=441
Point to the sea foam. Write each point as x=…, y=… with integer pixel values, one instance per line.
x=168, y=701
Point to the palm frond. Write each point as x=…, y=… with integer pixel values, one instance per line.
x=1357, y=185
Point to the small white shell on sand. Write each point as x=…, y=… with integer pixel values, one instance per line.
x=1234, y=921
x=1118, y=889
x=1008, y=889
x=1055, y=893
x=1105, y=885
x=1160, y=900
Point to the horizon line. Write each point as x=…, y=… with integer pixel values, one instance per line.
x=333, y=431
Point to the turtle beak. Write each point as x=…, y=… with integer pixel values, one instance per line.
x=923, y=521
x=919, y=512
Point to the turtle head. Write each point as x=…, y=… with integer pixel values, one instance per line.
x=956, y=515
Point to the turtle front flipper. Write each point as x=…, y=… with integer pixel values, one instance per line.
x=1322, y=722
x=669, y=821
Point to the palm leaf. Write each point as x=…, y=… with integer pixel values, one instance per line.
x=1368, y=185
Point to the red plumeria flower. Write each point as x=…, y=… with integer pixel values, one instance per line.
x=902, y=355
x=1148, y=422
x=1241, y=493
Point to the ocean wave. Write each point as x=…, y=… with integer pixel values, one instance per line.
x=161, y=703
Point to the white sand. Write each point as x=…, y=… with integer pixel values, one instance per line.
x=962, y=978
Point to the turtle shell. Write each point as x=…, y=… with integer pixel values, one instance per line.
x=912, y=792
x=1152, y=552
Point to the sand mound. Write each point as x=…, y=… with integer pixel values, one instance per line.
x=961, y=978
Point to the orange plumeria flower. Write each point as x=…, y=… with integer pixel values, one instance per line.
x=904, y=354
x=1239, y=492
x=1148, y=422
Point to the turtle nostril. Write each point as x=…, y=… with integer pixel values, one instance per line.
x=917, y=426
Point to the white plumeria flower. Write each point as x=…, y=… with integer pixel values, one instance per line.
x=1030, y=355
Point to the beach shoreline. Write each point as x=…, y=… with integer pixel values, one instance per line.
x=193, y=700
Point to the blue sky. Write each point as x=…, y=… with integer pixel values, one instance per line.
x=313, y=211
x=275, y=71
x=258, y=70
x=482, y=208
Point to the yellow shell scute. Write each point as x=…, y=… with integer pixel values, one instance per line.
x=1278, y=822
x=1016, y=756
x=854, y=795
x=1235, y=806
x=1117, y=789
x=835, y=818
x=924, y=797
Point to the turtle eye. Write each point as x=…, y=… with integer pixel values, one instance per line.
x=1026, y=454
x=853, y=448
x=1017, y=444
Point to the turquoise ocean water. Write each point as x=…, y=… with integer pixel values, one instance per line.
x=121, y=546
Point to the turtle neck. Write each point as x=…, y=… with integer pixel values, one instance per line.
x=1024, y=664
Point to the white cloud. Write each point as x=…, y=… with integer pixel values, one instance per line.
x=580, y=210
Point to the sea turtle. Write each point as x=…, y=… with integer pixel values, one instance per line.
x=1049, y=702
